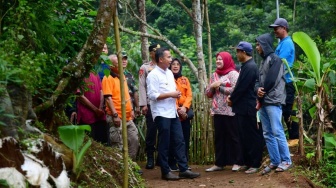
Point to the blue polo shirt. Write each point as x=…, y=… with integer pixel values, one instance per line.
x=286, y=50
x=100, y=69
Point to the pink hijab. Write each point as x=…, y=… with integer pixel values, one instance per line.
x=228, y=64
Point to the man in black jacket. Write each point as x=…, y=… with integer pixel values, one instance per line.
x=243, y=101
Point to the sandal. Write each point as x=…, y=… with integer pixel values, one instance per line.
x=214, y=168
x=251, y=170
x=236, y=168
x=283, y=167
x=268, y=169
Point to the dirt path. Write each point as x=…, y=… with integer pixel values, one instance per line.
x=227, y=178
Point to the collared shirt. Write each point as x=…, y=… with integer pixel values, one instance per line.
x=161, y=81
x=145, y=69
x=99, y=68
x=111, y=87
x=286, y=50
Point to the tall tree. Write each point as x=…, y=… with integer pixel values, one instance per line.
x=144, y=40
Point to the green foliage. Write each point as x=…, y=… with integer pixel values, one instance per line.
x=73, y=137
x=3, y=183
x=328, y=173
x=311, y=51
x=38, y=38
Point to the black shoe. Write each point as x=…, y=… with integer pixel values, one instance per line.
x=189, y=174
x=150, y=163
x=174, y=168
x=170, y=176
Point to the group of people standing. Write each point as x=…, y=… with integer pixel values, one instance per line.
x=98, y=103
x=165, y=98
x=236, y=98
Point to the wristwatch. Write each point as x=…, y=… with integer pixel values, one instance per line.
x=115, y=115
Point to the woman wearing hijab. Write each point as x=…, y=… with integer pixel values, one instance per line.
x=227, y=142
x=183, y=106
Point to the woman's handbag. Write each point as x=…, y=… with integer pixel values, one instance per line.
x=190, y=114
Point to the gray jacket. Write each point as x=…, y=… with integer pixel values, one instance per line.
x=271, y=73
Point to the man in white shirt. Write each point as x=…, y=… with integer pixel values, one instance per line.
x=161, y=91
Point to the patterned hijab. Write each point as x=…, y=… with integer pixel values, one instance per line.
x=228, y=64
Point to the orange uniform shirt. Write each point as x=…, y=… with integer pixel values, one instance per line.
x=111, y=86
x=183, y=85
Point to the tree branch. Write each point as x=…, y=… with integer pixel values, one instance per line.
x=75, y=71
x=168, y=42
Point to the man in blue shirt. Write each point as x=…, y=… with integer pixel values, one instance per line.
x=100, y=67
x=286, y=50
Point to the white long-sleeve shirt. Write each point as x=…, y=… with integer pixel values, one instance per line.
x=161, y=81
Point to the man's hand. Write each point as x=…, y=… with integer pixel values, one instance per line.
x=116, y=121
x=73, y=118
x=144, y=110
x=137, y=111
x=176, y=94
x=99, y=112
x=261, y=92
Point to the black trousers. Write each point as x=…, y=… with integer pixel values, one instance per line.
x=186, y=126
x=151, y=133
x=99, y=131
x=287, y=112
x=251, y=139
x=228, y=146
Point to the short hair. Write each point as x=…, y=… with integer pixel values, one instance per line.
x=248, y=53
x=159, y=53
x=113, y=57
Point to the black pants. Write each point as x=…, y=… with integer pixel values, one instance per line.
x=287, y=112
x=186, y=126
x=170, y=133
x=251, y=139
x=228, y=147
x=99, y=131
x=151, y=133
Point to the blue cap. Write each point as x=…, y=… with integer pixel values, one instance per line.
x=280, y=22
x=245, y=46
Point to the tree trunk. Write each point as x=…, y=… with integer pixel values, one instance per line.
x=206, y=12
x=75, y=71
x=144, y=40
x=197, y=17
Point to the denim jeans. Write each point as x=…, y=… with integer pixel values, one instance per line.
x=270, y=116
x=170, y=133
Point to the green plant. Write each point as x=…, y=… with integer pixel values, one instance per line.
x=328, y=173
x=73, y=137
x=3, y=183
